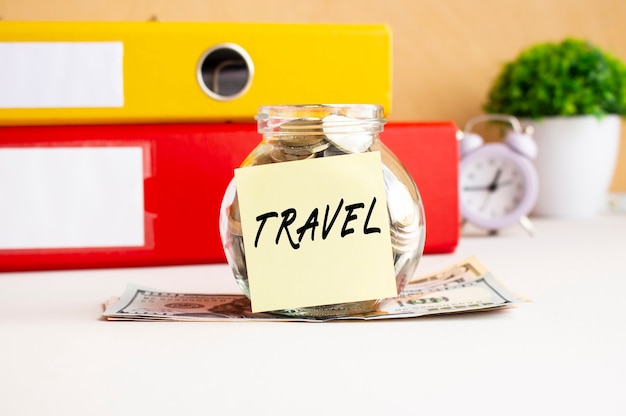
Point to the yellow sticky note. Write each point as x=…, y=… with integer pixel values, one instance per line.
x=316, y=232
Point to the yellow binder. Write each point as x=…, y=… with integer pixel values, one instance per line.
x=154, y=72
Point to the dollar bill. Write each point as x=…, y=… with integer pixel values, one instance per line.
x=463, y=287
x=452, y=275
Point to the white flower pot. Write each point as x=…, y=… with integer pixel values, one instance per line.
x=575, y=162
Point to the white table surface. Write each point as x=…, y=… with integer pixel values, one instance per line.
x=562, y=354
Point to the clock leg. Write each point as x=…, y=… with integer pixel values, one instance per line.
x=527, y=225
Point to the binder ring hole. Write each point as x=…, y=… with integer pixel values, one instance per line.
x=225, y=72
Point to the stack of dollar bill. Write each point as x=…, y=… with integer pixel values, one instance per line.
x=466, y=286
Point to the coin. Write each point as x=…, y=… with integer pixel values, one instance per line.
x=239, y=255
x=306, y=149
x=302, y=137
x=406, y=230
x=261, y=158
x=402, y=208
x=346, y=133
x=301, y=132
x=333, y=151
x=278, y=155
x=234, y=218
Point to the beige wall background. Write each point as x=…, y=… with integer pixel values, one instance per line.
x=446, y=52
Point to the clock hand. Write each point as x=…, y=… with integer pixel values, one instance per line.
x=493, y=186
x=494, y=183
x=485, y=202
x=475, y=188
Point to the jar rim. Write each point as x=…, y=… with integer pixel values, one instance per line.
x=368, y=116
x=361, y=111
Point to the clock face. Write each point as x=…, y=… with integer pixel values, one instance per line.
x=497, y=186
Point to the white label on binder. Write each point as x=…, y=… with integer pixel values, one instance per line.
x=61, y=74
x=71, y=197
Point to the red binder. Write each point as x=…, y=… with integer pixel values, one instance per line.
x=182, y=172
x=430, y=153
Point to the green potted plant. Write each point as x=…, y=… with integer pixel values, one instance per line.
x=573, y=94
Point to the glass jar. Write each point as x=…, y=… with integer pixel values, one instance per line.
x=297, y=132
